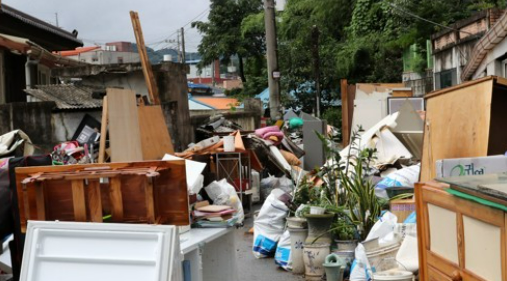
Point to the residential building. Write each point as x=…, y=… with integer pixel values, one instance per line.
x=418, y=70
x=453, y=47
x=26, y=52
x=489, y=57
x=205, y=74
x=116, y=52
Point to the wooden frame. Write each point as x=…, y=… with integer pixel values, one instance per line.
x=434, y=267
x=137, y=192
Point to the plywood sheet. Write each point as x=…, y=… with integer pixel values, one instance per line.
x=155, y=138
x=483, y=255
x=443, y=233
x=457, y=125
x=124, y=133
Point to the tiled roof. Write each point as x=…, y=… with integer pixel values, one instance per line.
x=67, y=96
x=219, y=103
x=78, y=51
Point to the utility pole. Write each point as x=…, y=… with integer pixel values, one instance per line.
x=179, y=47
x=56, y=16
x=183, y=55
x=316, y=63
x=273, y=72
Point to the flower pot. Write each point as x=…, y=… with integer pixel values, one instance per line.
x=314, y=210
x=295, y=222
x=297, y=237
x=318, y=228
x=314, y=256
x=334, y=267
x=345, y=245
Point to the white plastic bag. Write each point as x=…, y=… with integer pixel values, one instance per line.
x=408, y=256
x=222, y=193
x=361, y=268
x=383, y=229
x=269, y=225
x=406, y=177
x=283, y=256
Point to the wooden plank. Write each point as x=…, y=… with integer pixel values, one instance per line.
x=124, y=132
x=103, y=132
x=150, y=202
x=459, y=117
x=94, y=200
x=461, y=240
x=422, y=241
x=155, y=138
x=151, y=84
x=41, y=201
x=116, y=199
x=78, y=199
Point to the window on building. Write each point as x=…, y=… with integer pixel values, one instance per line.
x=446, y=78
x=120, y=59
x=95, y=59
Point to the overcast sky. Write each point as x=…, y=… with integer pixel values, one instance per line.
x=103, y=21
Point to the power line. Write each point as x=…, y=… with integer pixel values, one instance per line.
x=426, y=20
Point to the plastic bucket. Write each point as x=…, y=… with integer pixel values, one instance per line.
x=393, y=276
x=229, y=144
x=383, y=259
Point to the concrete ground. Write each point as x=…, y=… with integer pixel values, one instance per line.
x=249, y=267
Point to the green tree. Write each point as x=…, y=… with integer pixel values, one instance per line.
x=222, y=35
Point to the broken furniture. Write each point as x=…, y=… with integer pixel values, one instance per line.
x=100, y=252
x=236, y=168
x=313, y=146
x=211, y=252
x=467, y=120
x=459, y=239
x=136, y=192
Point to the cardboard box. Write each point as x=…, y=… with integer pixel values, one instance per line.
x=471, y=166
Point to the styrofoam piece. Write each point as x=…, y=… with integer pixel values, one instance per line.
x=193, y=169
x=100, y=252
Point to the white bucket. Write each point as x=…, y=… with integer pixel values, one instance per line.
x=229, y=144
x=393, y=276
x=383, y=259
x=314, y=210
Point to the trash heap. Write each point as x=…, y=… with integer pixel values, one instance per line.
x=353, y=217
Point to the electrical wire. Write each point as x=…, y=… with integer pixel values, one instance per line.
x=426, y=20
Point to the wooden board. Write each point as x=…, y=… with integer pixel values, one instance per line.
x=124, y=132
x=457, y=125
x=155, y=138
x=214, y=208
x=151, y=84
x=103, y=132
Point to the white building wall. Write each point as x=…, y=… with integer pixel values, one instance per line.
x=106, y=57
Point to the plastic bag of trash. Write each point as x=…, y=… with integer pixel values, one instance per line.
x=267, y=185
x=383, y=229
x=403, y=177
x=222, y=193
x=269, y=225
x=283, y=254
x=361, y=269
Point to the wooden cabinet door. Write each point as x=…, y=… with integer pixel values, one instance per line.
x=459, y=239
